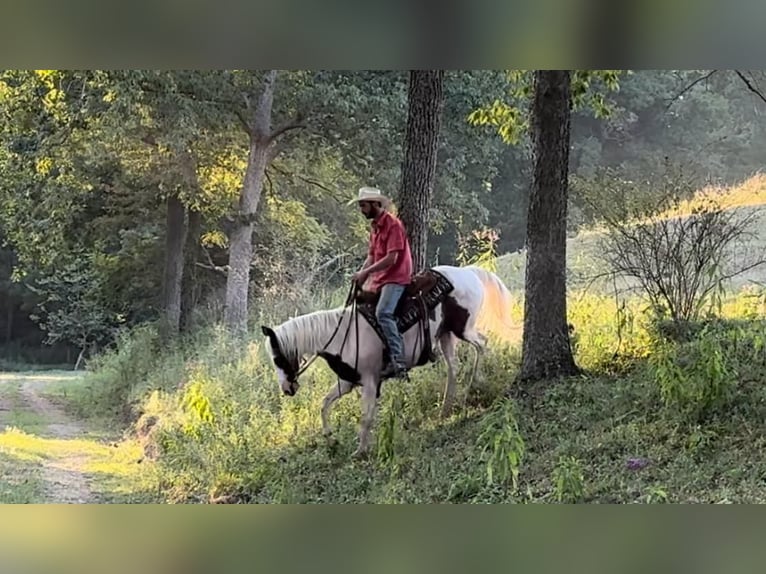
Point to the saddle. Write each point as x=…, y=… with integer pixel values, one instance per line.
x=416, y=305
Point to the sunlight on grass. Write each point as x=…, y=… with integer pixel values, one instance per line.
x=749, y=193
x=35, y=447
x=113, y=468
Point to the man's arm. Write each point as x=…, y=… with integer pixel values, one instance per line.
x=367, y=270
x=367, y=263
x=384, y=263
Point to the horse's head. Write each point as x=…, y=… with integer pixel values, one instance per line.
x=287, y=369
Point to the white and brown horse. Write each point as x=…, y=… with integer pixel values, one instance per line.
x=478, y=302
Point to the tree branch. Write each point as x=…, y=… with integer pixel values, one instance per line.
x=294, y=124
x=750, y=86
x=689, y=87
x=223, y=270
x=304, y=179
x=242, y=117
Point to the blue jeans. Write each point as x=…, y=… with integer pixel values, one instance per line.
x=389, y=298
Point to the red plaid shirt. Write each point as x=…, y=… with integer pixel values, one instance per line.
x=387, y=235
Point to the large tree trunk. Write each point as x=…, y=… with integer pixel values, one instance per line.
x=426, y=96
x=192, y=247
x=174, y=260
x=241, y=246
x=546, y=351
x=190, y=283
x=9, y=318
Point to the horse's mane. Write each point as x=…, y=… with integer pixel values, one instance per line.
x=306, y=333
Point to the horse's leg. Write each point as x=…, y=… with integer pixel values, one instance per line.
x=478, y=342
x=336, y=392
x=369, y=408
x=447, y=342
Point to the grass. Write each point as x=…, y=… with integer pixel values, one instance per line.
x=749, y=193
x=20, y=481
x=223, y=432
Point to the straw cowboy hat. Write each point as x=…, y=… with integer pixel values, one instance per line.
x=371, y=194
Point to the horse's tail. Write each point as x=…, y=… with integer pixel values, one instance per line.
x=495, y=313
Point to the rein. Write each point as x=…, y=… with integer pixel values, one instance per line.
x=423, y=331
x=350, y=300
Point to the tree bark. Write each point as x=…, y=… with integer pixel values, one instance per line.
x=9, y=318
x=546, y=350
x=174, y=263
x=425, y=102
x=241, y=246
x=192, y=247
x=190, y=282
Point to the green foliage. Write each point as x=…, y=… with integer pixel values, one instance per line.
x=118, y=378
x=74, y=306
x=700, y=375
x=511, y=123
x=502, y=446
x=197, y=406
x=479, y=248
x=656, y=495
x=569, y=480
x=389, y=427
x=611, y=335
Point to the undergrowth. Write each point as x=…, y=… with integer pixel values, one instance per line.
x=656, y=418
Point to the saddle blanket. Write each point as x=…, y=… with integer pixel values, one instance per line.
x=409, y=310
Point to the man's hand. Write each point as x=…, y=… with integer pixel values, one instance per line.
x=360, y=276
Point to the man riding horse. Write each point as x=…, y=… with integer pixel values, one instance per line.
x=388, y=267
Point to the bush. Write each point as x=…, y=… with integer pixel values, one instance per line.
x=699, y=373
x=681, y=264
x=117, y=377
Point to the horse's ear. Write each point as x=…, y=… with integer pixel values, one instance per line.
x=266, y=331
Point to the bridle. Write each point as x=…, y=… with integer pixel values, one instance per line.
x=350, y=300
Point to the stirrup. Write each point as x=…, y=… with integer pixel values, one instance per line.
x=391, y=370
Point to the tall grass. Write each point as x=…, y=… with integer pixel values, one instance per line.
x=214, y=423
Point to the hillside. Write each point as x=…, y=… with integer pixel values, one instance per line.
x=583, y=253
x=651, y=420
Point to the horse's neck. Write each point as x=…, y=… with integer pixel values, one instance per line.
x=308, y=334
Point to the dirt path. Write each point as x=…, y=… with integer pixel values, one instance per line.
x=47, y=455
x=63, y=474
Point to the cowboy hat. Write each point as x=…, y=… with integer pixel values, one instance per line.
x=371, y=194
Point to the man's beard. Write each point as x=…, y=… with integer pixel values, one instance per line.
x=371, y=214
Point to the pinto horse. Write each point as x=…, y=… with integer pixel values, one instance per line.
x=478, y=301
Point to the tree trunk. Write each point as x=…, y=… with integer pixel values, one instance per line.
x=241, y=246
x=174, y=263
x=189, y=284
x=425, y=97
x=9, y=318
x=189, y=287
x=546, y=351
